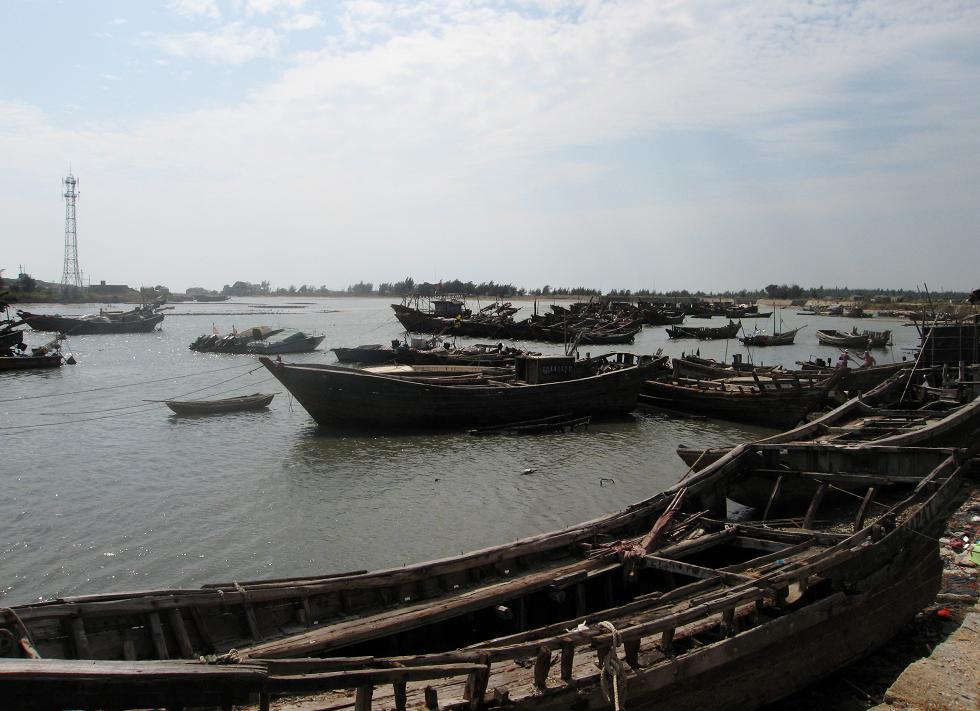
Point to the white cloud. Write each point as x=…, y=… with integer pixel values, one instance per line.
x=263, y=7
x=194, y=9
x=234, y=43
x=110, y=77
x=119, y=21
x=547, y=129
x=302, y=21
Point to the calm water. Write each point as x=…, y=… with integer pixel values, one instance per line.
x=106, y=492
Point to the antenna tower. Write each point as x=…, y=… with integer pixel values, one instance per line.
x=70, y=276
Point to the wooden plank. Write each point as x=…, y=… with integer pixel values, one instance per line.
x=542, y=665
x=82, y=650
x=863, y=509
x=156, y=634
x=362, y=698
x=400, y=691
x=431, y=699
x=667, y=642
x=567, y=661
x=811, y=512
x=354, y=678
x=202, y=630
x=772, y=497
x=180, y=632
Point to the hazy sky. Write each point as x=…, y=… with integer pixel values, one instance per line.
x=659, y=144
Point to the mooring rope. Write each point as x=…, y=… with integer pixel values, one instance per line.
x=612, y=678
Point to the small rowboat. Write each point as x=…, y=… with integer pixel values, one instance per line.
x=255, y=401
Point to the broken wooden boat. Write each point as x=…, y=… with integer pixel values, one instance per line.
x=859, y=422
x=668, y=604
x=255, y=401
x=865, y=339
x=772, y=400
x=412, y=397
x=31, y=362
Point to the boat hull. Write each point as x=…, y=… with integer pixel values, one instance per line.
x=30, y=362
x=349, y=397
x=85, y=327
x=213, y=407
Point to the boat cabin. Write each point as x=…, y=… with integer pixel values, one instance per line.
x=535, y=370
x=448, y=309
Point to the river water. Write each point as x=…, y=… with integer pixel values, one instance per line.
x=104, y=491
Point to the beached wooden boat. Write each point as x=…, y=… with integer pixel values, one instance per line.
x=858, y=380
x=668, y=604
x=255, y=401
x=705, y=333
x=776, y=402
x=139, y=320
x=540, y=386
x=865, y=339
x=479, y=355
x=859, y=420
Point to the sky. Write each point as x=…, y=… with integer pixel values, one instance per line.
x=659, y=144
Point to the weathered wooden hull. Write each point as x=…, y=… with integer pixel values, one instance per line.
x=704, y=333
x=772, y=408
x=214, y=407
x=768, y=612
x=10, y=339
x=30, y=362
x=868, y=339
x=85, y=327
x=356, y=398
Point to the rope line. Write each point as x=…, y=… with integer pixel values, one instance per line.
x=126, y=385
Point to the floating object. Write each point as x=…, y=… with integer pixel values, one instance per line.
x=256, y=401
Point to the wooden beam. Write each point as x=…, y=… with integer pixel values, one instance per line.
x=180, y=632
x=567, y=661
x=362, y=698
x=811, y=513
x=542, y=665
x=772, y=498
x=862, y=511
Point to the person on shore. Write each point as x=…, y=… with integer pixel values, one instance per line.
x=843, y=359
x=868, y=360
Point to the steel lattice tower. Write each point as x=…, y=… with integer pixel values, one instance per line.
x=70, y=276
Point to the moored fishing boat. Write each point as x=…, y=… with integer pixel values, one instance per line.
x=142, y=319
x=785, y=338
x=255, y=401
x=540, y=386
x=668, y=604
x=871, y=419
x=705, y=333
x=776, y=402
x=865, y=339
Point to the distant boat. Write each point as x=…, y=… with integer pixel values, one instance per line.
x=142, y=319
x=207, y=298
x=256, y=401
x=865, y=339
x=13, y=362
x=258, y=339
x=785, y=338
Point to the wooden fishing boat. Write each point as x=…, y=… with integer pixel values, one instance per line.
x=858, y=380
x=774, y=403
x=34, y=362
x=785, y=338
x=136, y=321
x=668, y=604
x=697, y=368
x=540, y=386
x=479, y=355
x=865, y=339
x=705, y=333
x=255, y=401
x=862, y=420
x=557, y=423
x=10, y=339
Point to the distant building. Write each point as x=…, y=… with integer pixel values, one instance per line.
x=108, y=289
